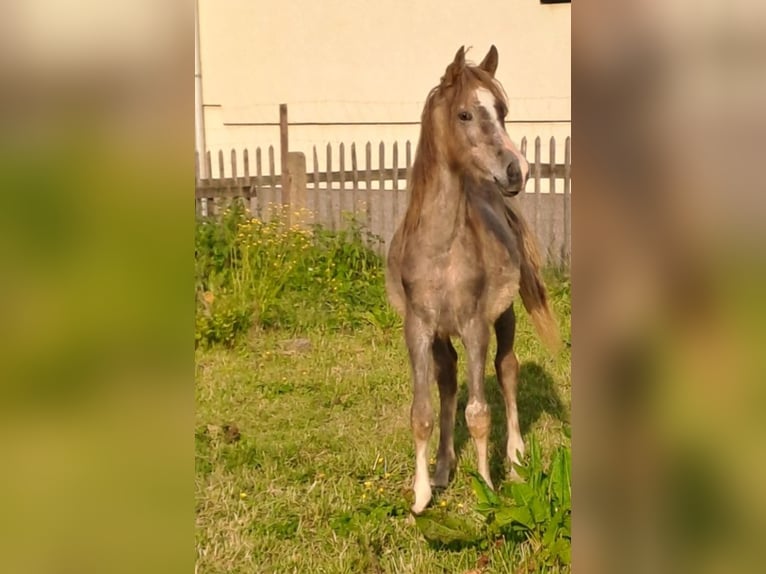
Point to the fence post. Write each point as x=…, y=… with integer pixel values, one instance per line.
x=283, y=154
x=296, y=190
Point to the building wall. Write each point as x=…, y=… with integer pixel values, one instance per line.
x=354, y=65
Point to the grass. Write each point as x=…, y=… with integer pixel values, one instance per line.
x=319, y=479
x=304, y=456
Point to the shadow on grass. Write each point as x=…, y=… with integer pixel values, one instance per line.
x=536, y=394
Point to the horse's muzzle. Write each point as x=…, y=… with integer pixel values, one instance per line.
x=515, y=178
x=510, y=189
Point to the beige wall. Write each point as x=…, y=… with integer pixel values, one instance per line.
x=346, y=61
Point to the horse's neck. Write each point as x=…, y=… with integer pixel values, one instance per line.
x=443, y=210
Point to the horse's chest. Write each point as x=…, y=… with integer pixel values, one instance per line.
x=448, y=288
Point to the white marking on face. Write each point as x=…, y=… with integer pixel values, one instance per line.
x=487, y=101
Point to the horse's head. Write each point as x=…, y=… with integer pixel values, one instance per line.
x=467, y=115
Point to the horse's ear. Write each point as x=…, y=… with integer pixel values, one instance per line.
x=455, y=68
x=489, y=63
x=459, y=60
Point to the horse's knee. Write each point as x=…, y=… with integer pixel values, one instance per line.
x=477, y=417
x=422, y=420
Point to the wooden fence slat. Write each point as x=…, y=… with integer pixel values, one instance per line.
x=524, y=146
x=234, y=178
x=317, y=193
x=551, y=227
x=196, y=167
x=342, y=180
x=355, y=182
x=221, y=175
x=368, y=184
x=536, y=217
x=258, y=183
x=395, y=192
x=328, y=197
x=381, y=164
x=382, y=186
x=567, y=255
x=272, y=190
x=208, y=207
x=408, y=154
x=246, y=181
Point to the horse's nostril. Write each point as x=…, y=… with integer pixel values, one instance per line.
x=514, y=171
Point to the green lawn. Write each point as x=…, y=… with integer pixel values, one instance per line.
x=304, y=456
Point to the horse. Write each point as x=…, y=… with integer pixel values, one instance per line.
x=457, y=260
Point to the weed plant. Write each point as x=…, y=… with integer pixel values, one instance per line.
x=267, y=274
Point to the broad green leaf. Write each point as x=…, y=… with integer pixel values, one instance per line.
x=561, y=473
x=522, y=493
x=567, y=466
x=485, y=509
x=445, y=529
x=540, y=510
x=558, y=476
x=509, y=514
x=535, y=457
x=483, y=492
x=522, y=470
x=551, y=530
x=562, y=549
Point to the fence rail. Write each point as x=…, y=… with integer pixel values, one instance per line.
x=377, y=197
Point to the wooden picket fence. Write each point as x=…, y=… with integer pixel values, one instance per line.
x=375, y=197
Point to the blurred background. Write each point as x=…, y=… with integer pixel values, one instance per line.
x=96, y=335
x=668, y=282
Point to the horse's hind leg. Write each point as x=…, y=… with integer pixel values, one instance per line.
x=475, y=336
x=445, y=362
x=507, y=368
x=421, y=416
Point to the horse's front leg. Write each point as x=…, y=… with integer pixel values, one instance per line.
x=445, y=362
x=419, y=340
x=475, y=336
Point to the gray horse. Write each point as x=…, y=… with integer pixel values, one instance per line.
x=458, y=259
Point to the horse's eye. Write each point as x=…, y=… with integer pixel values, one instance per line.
x=465, y=116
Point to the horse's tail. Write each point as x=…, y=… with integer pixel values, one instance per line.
x=534, y=296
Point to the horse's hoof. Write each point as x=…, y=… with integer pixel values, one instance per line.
x=422, y=490
x=441, y=478
x=439, y=482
